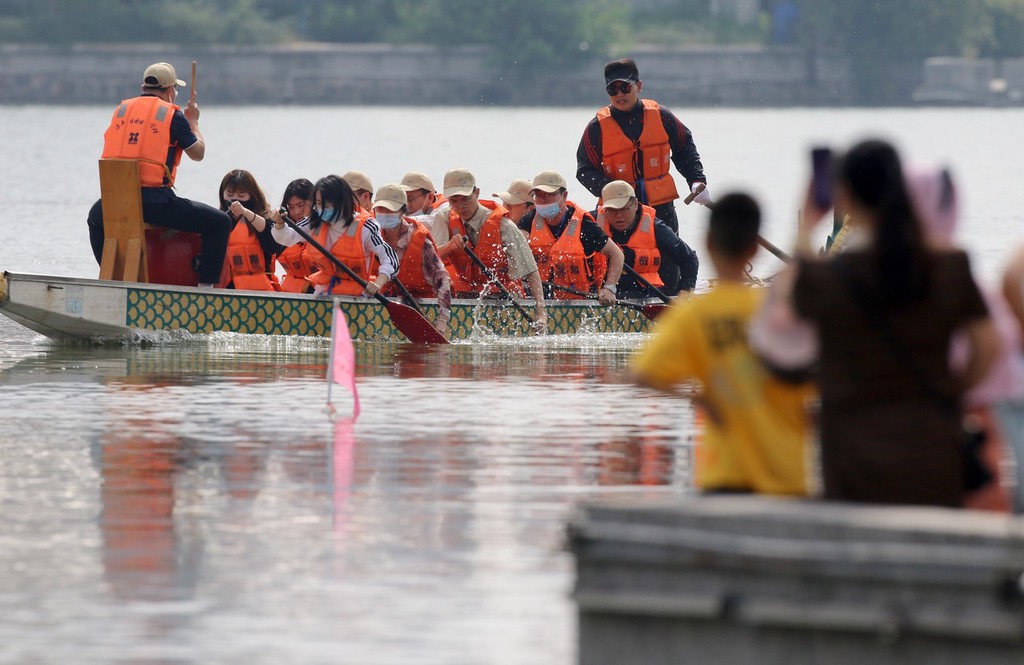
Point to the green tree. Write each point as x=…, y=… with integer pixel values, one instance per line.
x=883, y=39
x=529, y=37
x=999, y=32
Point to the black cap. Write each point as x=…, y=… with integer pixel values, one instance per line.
x=621, y=70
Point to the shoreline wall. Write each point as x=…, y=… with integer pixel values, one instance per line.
x=384, y=74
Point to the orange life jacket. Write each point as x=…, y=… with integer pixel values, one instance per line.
x=410, y=272
x=348, y=249
x=467, y=278
x=562, y=261
x=295, y=271
x=619, y=155
x=643, y=244
x=245, y=265
x=141, y=130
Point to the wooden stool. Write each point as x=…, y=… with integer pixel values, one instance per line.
x=128, y=241
x=124, y=240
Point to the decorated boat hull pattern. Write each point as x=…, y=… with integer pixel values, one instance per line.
x=61, y=308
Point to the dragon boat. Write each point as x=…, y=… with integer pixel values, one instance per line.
x=96, y=310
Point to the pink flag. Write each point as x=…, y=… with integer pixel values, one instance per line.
x=341, y=366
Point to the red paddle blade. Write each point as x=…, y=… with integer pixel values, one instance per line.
x=414, y=325
x=654, y=310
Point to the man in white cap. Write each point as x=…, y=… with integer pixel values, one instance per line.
x=420, y=269
x=517, y=199
x=565, y=242
x=484, y=227
x=150, y=128
x=635, y=140
x=362, y=188
x=423, y=198
x=651, y=249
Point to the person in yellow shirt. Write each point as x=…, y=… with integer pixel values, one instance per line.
x=757, y=430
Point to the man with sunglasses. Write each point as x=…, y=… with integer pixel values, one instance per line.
x=634, y=139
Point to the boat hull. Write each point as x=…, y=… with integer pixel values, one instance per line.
x=61, y=308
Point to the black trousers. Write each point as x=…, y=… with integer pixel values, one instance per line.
x=162, y=207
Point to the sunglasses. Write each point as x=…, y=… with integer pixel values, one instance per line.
x=618, y=88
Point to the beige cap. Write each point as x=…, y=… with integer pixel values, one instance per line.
x=518, y=192
x=617, y=194
x=390, y=196
x=161, y=75
x=548, y=181
x=416, y=180
x=358, y=180
x=459, y=182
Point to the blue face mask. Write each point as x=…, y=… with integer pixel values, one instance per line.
x=548, y=210
x=389, y=220
x=328, y=215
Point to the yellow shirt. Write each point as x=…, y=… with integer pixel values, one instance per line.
x=760, y=443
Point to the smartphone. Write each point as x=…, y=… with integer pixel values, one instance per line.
x=821, y=177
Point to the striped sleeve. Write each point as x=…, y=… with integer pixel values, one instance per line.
x=374, y=243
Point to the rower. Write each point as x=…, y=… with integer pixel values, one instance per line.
x=420, y=269
x=517, y=199
x=483, y=227
x=651, y=249
x=570, y=249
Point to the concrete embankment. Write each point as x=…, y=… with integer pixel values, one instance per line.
x=754, y=580
x=416, y=75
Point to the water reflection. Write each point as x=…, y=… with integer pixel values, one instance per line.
x=226, y=506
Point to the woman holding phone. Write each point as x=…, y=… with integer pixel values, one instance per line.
x=885, y=313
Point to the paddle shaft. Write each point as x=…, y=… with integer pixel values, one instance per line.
x=643, y=282
x=334, y=259
x=490, y=276
x=585, y=294
x=782, y=256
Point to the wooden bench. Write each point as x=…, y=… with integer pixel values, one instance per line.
x=128, y=240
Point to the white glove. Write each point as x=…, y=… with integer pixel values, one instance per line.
x=704, y=198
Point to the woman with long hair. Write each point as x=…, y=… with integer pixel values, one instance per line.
x=249, y=262
x=354, y=239
x=297, y=206
x=885, y=313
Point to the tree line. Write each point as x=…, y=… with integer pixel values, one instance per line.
x=546, y=36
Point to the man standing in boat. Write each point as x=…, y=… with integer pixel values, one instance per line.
x=634, y=139
x=153, y=130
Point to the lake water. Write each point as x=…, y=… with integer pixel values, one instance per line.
x=194, y=503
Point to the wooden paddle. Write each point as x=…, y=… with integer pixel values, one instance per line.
x=650, y=310
x=647, y=285
x=490, y=275
x=410, y=322
x=781, y=255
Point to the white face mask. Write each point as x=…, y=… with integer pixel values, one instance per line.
x=389, y=220
x=548, y=210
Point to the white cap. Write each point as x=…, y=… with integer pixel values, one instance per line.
x=518, y=192
x=549, y=181
x=459, y=182
x=358, y=180
x=416, y=180
x=390, y=196
x=617, y=194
